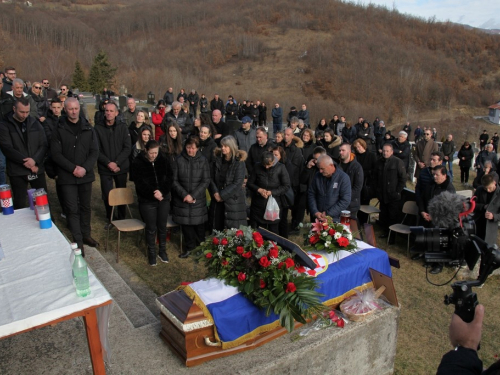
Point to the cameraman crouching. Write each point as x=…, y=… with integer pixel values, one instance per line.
x=465, y=338
x=442, y=183
x=487, y=211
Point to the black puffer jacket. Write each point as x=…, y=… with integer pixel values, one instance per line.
x=114, y=146
x=150, y=176
x=232, y=192
x=274, y=179
x=191, y=176
x=69, y=150
x=42, y=105
x=15, y=148
x=255, y=153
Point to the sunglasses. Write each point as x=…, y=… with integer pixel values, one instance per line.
x=45, y=83
x=37, y=87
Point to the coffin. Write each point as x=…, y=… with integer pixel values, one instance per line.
x=188, y=314
x=191, y=336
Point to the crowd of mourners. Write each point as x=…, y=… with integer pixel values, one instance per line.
x=193, y=150
x=212, y=164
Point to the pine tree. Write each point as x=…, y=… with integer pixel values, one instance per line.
x=101, y=73
x=79, y=79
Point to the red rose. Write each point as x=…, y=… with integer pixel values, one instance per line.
x=342, y=241
x=209, y=255
x=224, y=242
x=313, y=239
x=331, y=232
x=239, y=233
x=215, y=241
x=281, y=264
x=300, y=269
x=240, y=250
x=264, y=262
x=241, y=277
x=257, y=237
x=273, y=253
x=290, y=288
x=340, y=323
x=248, y=254
x=262, y=284
x=289, y=262
x=225, y=263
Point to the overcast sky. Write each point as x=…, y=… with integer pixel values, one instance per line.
x=477, y=13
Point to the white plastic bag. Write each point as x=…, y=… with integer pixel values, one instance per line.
x=272, y=209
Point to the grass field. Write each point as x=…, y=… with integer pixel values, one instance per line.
x=423, y=324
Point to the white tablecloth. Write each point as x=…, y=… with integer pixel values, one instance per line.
x=36, y=284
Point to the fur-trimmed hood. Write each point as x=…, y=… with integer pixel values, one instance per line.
x=337, y=141
x=240, y=155
x=298, y=142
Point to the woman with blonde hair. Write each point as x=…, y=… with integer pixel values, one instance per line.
x=228, y=207
x=42, y=104
x=141, y=119
x=309, y=140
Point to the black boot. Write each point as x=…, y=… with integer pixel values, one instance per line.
x=163, y=251
x=151, y=242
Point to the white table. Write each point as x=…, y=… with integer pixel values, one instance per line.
x=36, y=285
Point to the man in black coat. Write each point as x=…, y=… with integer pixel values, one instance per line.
x=257, y=149
x=354, y=170
x=448, y=150
x=390, y=180
x=217, y=103
x=402, y=149
x=169, y=96
x=193, y=99
x=75, y=150
x=113, y=163
x=293, y=151
x=221, y=128
x=24, y=144
x=180, y=117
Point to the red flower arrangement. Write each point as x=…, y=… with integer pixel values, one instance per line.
x=263, y=272
x=329, y=236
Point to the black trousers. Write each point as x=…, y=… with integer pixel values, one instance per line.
x=300, y=207
x=464, y=174
x=120, y=181
x=155, y=215
x=19, y=186
x=390, y=213
x=193, y=235
x=77, y=205
x=283, y=224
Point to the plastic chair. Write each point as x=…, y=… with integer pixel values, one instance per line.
x=118, y=197
x=409, y=208
x=370, y=210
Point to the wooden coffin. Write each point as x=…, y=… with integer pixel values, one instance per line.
x=191, y=336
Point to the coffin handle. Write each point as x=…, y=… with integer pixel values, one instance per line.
x=210, y=343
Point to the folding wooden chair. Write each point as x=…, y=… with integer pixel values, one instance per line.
x=118, y=197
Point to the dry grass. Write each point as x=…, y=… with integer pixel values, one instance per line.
x=423, y=324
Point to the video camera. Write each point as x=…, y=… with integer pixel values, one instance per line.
x=451, y=241
x=463, y=298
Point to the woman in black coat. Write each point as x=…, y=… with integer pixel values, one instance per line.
x=152, y=185
x=42, y=104
x=465, y=156
x=291, y=169
x=191, y=177
x=368, y=161
x=171, y=141
x=268, y=178
x=307, y=137
x=207, y=143
x=228, y=207
x=366, y=134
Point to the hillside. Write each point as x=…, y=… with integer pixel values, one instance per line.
x=335, y=56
